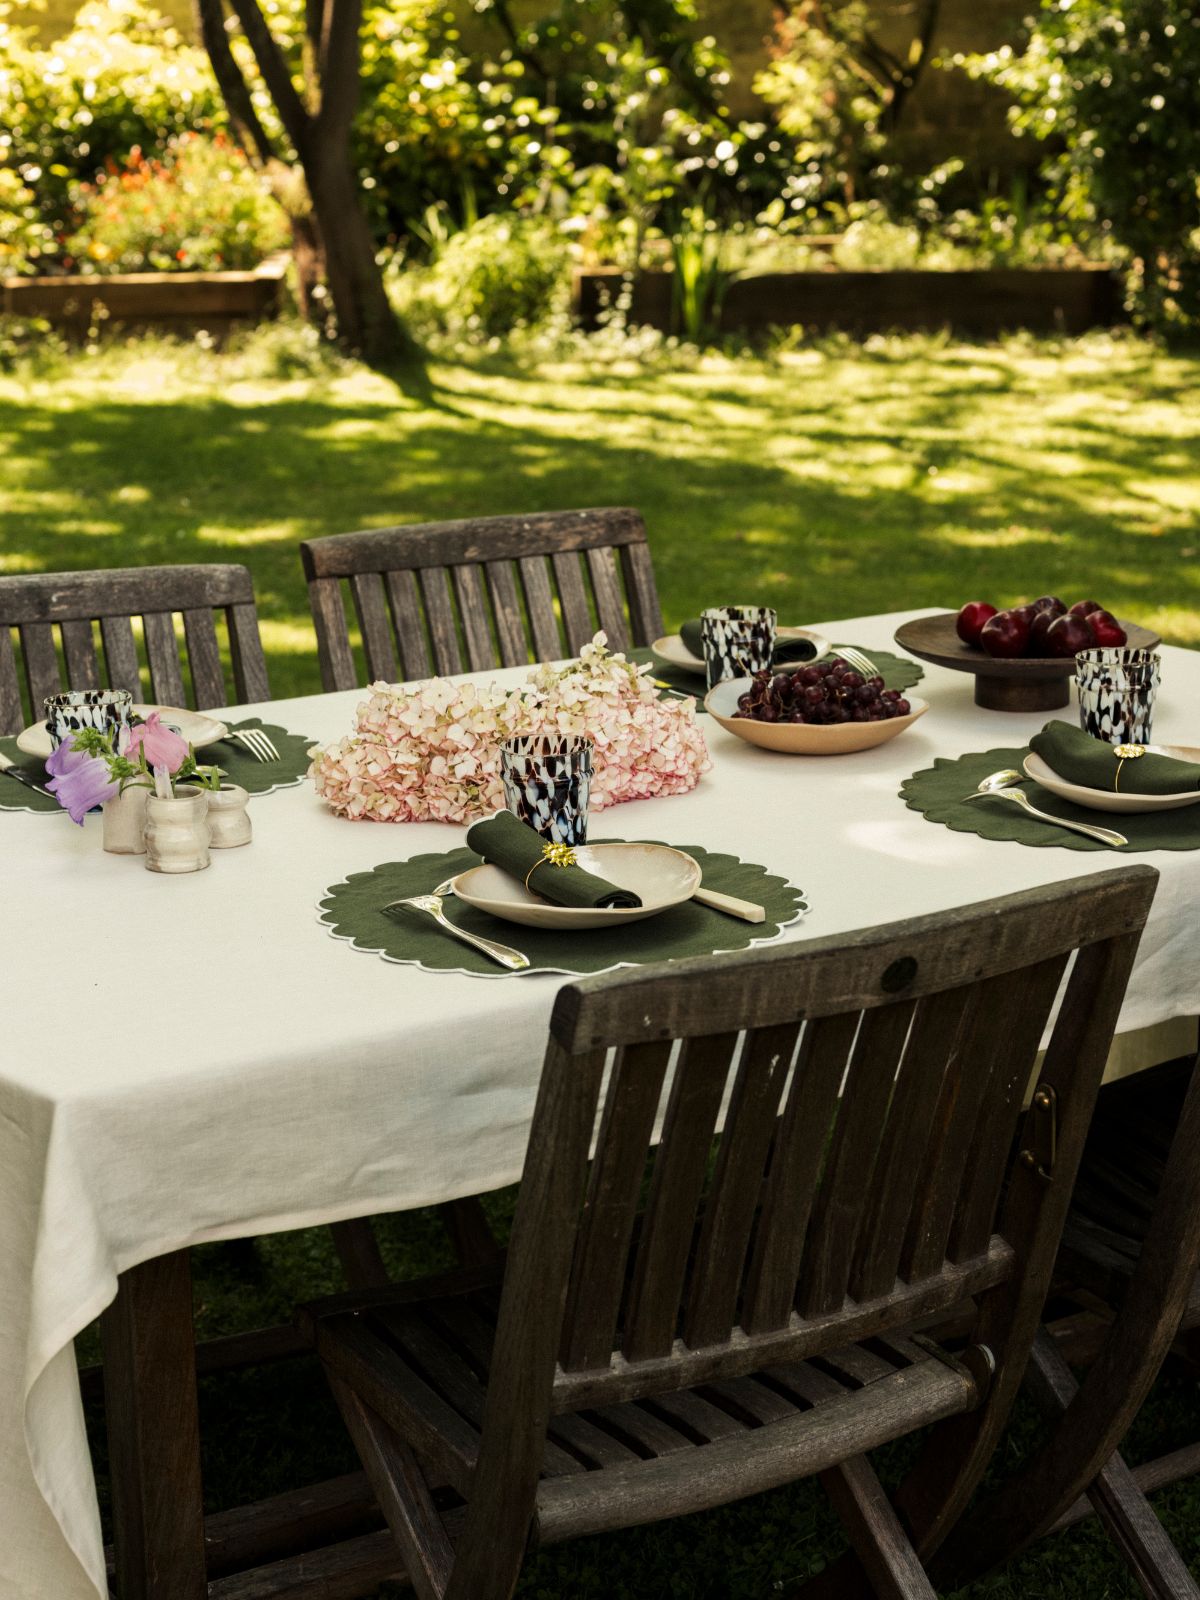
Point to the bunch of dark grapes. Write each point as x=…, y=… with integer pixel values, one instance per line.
x=826, y=692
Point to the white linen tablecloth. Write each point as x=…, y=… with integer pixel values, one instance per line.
x=193, y=1058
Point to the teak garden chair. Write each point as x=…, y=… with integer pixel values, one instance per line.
x=447, y=597
x=671, y=1332
x=78, y=604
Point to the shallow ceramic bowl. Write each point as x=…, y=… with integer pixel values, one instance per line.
x=661, y=876
x=672, y=649
x=1101, y=799
x=193, y=726
x=802, y=738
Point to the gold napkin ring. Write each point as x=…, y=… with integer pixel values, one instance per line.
x=1124, y=753
x=558, y=855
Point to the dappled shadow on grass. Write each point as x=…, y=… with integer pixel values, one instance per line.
x=828, y=491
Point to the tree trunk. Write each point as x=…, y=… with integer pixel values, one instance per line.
x=365, y=319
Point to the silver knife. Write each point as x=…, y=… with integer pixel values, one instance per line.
x=10, y=771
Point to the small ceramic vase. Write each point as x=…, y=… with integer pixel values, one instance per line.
x=227, y=820
x=177, y=832
x=125, y=822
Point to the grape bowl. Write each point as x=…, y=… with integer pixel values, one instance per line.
x=835, y=714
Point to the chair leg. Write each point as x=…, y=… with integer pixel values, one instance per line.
x=474, y=1242
x=402, y=1493
x=883, y=1564
x=1114, y=1493
x=358, y=1251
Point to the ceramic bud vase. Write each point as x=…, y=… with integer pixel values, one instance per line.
x=177, y=832
x=227, y=820
x=125, y=821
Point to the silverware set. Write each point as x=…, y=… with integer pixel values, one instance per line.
x=504, y=954
x=1003, y=786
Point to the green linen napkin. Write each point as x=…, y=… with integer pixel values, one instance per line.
x=514, y=847
x=786, y=650
x=1092, y=763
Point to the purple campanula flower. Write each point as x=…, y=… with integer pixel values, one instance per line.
x=79, y=781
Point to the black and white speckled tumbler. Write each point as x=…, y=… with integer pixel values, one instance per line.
x=1116, y=693
x=109, y=710
x=547, y=783
x=738, y=641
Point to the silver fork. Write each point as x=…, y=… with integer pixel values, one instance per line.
x=258, y=743
x=504, y=954
x=855, y=658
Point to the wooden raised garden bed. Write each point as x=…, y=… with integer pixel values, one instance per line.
x=182, y=302
x=981, y=302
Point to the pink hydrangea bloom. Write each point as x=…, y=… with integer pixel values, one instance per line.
x=431, y=751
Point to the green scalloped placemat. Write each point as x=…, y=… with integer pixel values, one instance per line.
x=239, y=766
x=899, y=672
x=351, y=910
x=16, y=796
x=938, y=792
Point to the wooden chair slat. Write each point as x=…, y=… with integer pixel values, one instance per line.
x=799, y=1151
x=510, y=621
x=443, y=631
x=837, y=1211
x=79, y=653
x=693, y=1412
x=328, y=608
x=598, y=1276
x=375, y=626
x=645, y=613
x=410, y=627
x=250, y=680
x=935, y=1049
x=539, y=603
x=988, y=1156
x=12, y=710
x=651, y=1435
x=964, y=1093
x=162, y=652
x=121, y=591
x=610, y=602
x=41, y=662
x=204, y=658
x=473, y=610
x=675, y=1188
x=121, y=656
x=572, y=596
x=737, y=1183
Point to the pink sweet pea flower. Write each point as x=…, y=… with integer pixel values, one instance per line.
x=161, y=746
x=79, y=781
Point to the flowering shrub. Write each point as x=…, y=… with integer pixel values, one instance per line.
x=431, y=753
x=203, y=208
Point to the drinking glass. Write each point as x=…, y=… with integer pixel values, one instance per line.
x=738, y=641
x=1116, y=693
x=109, y=710
x=547, y=783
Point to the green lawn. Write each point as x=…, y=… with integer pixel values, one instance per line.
x=830, y=481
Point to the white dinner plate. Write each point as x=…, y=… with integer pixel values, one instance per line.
x=1101, y=800
x=673, y=650
x=193, y=726
x=661, y=876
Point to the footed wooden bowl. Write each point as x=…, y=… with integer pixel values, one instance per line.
x=1024, y=683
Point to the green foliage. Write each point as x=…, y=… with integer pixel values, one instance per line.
x=501, y=274
x=1110, y=87
x=201, y=208
x=121, y=78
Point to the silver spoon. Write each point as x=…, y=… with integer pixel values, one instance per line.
x=1002, y=785
x=432, y=903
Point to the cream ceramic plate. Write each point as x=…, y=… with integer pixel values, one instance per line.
x=661, y=876
x=1100, y=800
x=673, y=650
x=803, y=738
x=198, y=730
